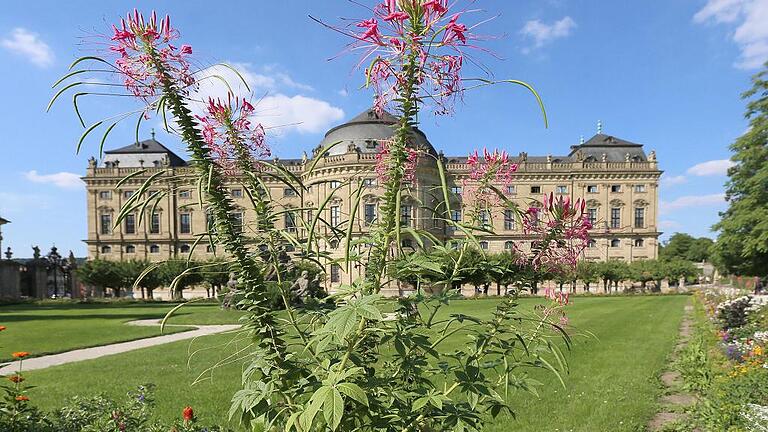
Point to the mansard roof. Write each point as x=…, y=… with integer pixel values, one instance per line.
x=150, y=146
x=365, y=131
x=614, y=149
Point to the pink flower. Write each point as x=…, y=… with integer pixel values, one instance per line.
x=454, y=30
x=384, y=163
x=493, y=169
x=186, y=49
x=372, y=30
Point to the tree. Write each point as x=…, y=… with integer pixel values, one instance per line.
x=101, y=274
x=131, y=270
x=742, y=244
x=171, y=271
x=587, y=273
x=686, y=247
x=644, y=271
x=215, y=274
x=612, y=271
x=681, y=269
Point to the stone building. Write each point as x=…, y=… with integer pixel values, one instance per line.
x=618, y=180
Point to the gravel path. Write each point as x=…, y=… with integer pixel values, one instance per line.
x=118, y=348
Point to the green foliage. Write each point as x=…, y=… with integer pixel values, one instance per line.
x=101, y=273
x=179, y=275
x=681, y=246
x=742, y=243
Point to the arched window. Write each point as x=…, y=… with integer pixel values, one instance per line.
x=130, y=249
x=106, y=249
x=484, y=245
x=592, y=243
x=184, y=248
x=509, y=245
x=639, y=243
x=154, y=249
x=615, y=243
x=333, y=244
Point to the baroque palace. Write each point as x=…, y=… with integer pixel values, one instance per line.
x=618, y=180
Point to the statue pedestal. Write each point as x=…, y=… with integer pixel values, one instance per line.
x=10, y=280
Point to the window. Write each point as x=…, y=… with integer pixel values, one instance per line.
x=210, y=249
x=310, y=215
x=406, y=214
x=184, y=248
x=106, y=249
x=639, y=243
x=535, y=189
x=130, y=249
x=509, y=220
x=371, y=144
x=592, y=216
x=290, y=221
x=511, y=190
x=640, y=188
x=592, y=243
x=127, y=194
x=456, y=218
x=154, y=249
x=485, y=219
x=185, y=223
x=130, y=224
x=484, y=245
x=615, y=188
x=562, y=190
x=185, y=194
x=237, y=221
x=369, y=182
x=370, y=213
x=335, y=273
x=456, y=190
x=639, y=217
x=333, y=243
x=335, y=215
x=591, y=188
x=509, y=245
x=407, y=243
x=289, y=192
x=615, y=243
x=105, y=195
x=106, y=224
x=154, y=223
x=237, y=193
x=334, y=184
x=616, y=217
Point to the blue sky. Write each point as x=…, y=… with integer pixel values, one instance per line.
x=667, y=74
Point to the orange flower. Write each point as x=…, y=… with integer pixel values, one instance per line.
x=187, y=413
x=16, y=378
x=20, y=354
x=2, y=328
x=22, y=398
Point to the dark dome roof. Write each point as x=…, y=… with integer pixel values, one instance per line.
x=365, y=131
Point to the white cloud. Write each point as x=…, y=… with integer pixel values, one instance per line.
x=711, y=168
x=669, y=224
x=542, y=33
x=278, y=107
x=20, y=204
x=65, y=180
x=29, y=45
x=673, y=180
x=692, y=201
x=751, y=33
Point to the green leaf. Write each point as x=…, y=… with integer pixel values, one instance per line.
x=315, y=402
x=354, y=391
x=341, y=322
x=333, y=408
x=420, y=403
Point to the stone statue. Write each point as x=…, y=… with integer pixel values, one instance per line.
x=36, y=252
x=549, y=158
x=523, y=156
x=72, y=261
x=626, y=157
x=301, y=286
x=92, y=162
x=304, y=157
x=652, y=155
x=226, y=302
x=8, y=253
x=604, y=157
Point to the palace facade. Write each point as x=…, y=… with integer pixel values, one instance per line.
x=618, y=180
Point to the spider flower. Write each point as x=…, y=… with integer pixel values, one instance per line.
x=385, y=161
x=492, y=169
x=562, y=228
x=145, y=53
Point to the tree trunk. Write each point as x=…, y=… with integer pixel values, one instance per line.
x=498, y=289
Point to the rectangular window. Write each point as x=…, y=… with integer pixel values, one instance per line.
x=289, y=192
x=592, y=215
x=456, y=218
x=369, y=213
x=130, y=224
x=290, y=222
x=335, y=273
x=509, y=220
x=106, y=224
x=185, y=223
x=406, y=214
x=535, y=189
x=591, y=188
x=511, y=190
x=154, y=224
x=639, y=217
x=616, y=217
x=485, y=219
x=105, y=195
x=640, y=188
x=310, y=215
x=335, y=215
x=237, y=221
x=456, y=190
x=127, y=194
x=237, y=193
x=334, y=184
x=484, y=245
x=615, y=188
x=185, y=194
x=369, y=182
x=562, y=190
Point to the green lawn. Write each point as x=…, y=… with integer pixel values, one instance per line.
x=612, y=385
x=53, y=328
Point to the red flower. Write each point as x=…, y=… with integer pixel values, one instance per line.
x=2, y=328
x=20, y=354
x=16, y=378
x=22, y=398
x=187, y=413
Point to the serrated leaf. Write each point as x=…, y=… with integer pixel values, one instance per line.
x=333, y=408
x=354, y=391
